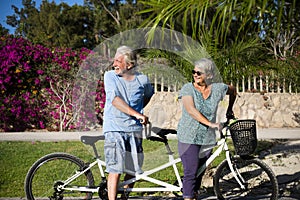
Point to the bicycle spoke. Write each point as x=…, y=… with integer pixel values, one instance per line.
x=48, y=175
x=259, y=181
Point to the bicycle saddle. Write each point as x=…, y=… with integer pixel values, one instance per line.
x=163, y=132
x=90, y=140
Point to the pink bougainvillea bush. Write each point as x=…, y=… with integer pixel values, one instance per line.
x=22, y=64
x=36, y=86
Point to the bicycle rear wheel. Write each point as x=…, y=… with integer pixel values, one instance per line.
x=259, y=180
x=49, y=172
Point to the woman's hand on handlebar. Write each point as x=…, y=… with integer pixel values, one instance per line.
x=217, y=126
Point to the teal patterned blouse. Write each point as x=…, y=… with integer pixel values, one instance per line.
x=191, y=131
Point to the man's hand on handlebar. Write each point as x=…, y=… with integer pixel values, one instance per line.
x=143, y=119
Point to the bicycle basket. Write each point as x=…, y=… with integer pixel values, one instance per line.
x=243, y=134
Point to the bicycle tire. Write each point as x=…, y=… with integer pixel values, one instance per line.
x=260, y=180
x=50, y=171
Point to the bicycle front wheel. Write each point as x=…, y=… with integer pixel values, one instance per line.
x=46, y=176
x=258, y=178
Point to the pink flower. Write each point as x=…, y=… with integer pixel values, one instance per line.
x=37, y=81
x=42, y=124
x=39, y=72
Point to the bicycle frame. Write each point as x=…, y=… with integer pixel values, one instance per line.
x=161, y=185
x=222, y=146
x=98, y=162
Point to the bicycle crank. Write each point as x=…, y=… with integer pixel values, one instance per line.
x=102, y=192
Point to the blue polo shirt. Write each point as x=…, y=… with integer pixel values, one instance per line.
x=133, y=93
x=191, y=131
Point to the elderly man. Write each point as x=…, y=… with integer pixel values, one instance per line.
x=127, y=93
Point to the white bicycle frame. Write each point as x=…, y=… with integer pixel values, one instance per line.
x=162, y=186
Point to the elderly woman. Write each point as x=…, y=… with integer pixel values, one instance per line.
x=196, y=128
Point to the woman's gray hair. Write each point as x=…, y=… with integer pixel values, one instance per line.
x=129, y=55
x=207, y=66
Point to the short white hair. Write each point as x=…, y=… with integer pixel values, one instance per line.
x=129, y=54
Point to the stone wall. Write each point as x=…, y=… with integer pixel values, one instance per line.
x=270, y=110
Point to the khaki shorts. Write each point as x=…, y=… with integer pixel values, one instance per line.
x=123, y=152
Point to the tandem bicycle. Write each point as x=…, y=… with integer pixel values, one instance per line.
x=239, y=176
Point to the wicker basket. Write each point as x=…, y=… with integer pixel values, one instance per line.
x=243, y=134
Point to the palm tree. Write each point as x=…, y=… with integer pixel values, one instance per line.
x=222, y=19
x=233, y=32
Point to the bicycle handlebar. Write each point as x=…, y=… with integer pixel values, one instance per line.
x=160, y=132
x=163, y=132
x=225, y=125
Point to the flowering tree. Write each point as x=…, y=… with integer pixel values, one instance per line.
x=88, y=92
x=61, y=77
x=36, y=86
x=22, y=68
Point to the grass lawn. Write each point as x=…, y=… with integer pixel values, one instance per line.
x=17, y=157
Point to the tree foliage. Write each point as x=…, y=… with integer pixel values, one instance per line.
x=54, y=25
x=74, y=26
x=3, y=30
x=239, y=35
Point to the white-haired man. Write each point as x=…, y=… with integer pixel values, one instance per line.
x=127, y=93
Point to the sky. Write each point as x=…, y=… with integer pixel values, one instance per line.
x=6, y=9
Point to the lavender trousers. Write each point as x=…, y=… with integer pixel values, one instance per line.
x=189, y=154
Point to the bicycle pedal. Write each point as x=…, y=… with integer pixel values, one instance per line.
x=202, y=191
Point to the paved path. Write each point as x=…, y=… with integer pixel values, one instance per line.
x=272, y=133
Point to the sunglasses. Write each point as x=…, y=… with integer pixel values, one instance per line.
x=197, y=72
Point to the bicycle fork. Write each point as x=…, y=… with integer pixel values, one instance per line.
x=236, y=174
x=222, y=146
